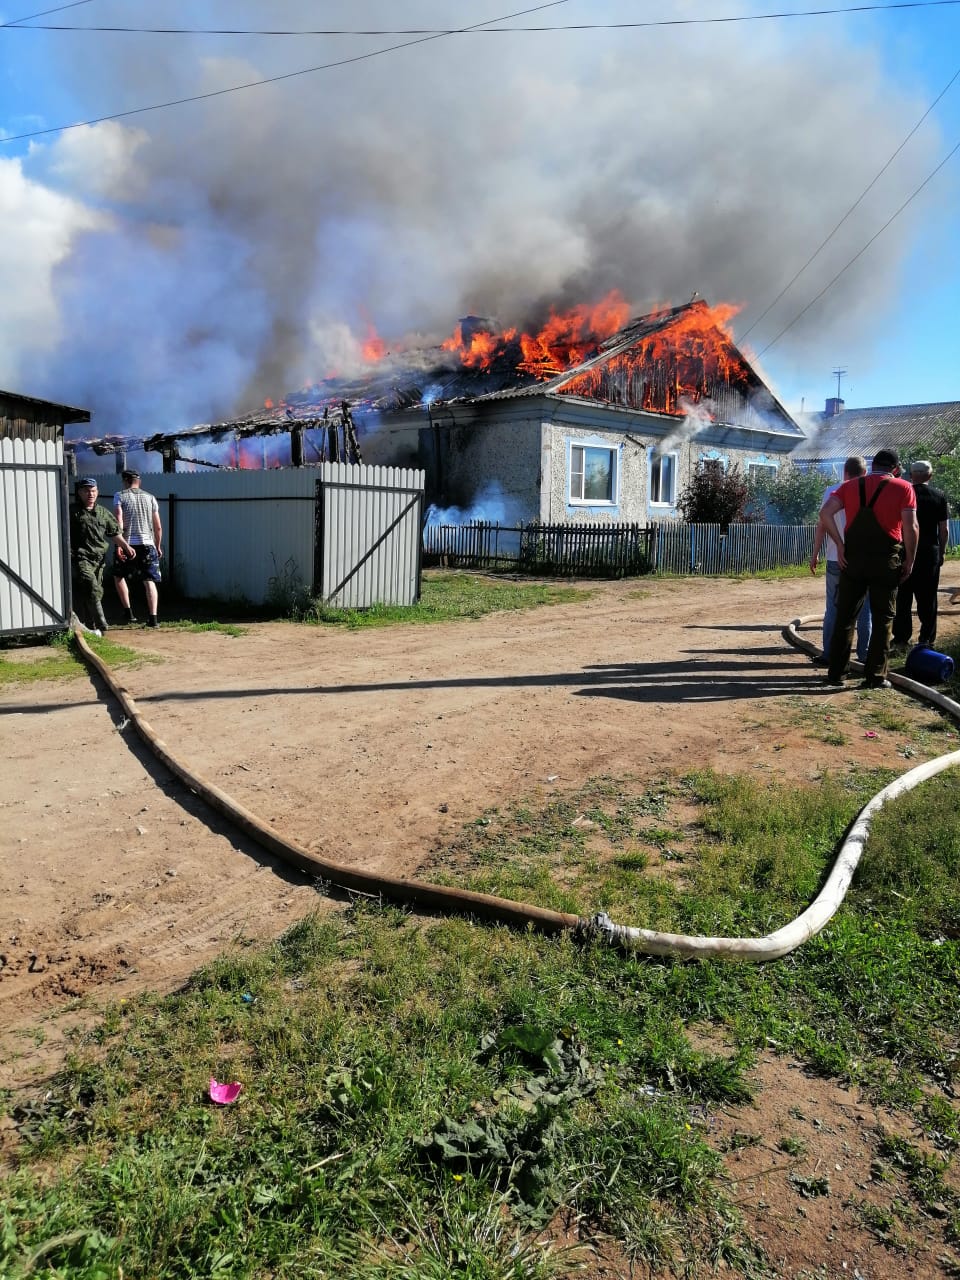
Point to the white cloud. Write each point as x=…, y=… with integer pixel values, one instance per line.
x=40, y=227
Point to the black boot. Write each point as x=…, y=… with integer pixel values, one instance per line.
x=99, y=620
x=128, y=616
x=152, y=620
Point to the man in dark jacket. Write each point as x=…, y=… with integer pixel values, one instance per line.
x=92, y=529
x=923, y=584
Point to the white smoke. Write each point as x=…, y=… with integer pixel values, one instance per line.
x=191, y=262
x=696, y=418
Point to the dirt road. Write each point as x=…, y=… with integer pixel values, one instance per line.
x=367, y=747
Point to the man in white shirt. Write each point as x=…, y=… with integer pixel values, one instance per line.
x=853, y=467
x=138, y=516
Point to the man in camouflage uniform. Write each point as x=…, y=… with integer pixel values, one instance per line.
x=92, y=529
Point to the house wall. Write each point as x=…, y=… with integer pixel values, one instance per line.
x=636, y=460
x=509, y=459
x=489, y=469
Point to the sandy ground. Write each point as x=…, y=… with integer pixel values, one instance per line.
x=366, y=747
x=371, y=748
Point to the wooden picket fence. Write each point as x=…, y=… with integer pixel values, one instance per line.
x=618, y=550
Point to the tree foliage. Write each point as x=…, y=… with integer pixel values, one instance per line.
x=714, y=496
x=793, y=496
x=945, y=462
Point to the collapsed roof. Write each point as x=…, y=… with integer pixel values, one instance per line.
x=674, y=361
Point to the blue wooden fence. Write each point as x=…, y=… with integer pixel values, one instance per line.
x=743, y=548
x=593, y=550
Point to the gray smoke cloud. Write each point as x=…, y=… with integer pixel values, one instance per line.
x=212, y=255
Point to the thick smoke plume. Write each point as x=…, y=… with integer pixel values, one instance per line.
x=182, y=266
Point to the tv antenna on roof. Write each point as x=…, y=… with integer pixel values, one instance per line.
x=838, y=374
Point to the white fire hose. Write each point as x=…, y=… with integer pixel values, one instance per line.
x=828, y=900
x=461, y=901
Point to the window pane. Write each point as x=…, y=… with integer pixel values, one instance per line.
x=666, y=484
x=576, y=471
x=598, y=475
x=761, y=471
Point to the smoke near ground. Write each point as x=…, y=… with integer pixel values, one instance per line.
x=181, y=266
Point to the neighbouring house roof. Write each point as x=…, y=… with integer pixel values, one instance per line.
x=28, y=418
x=866, y=431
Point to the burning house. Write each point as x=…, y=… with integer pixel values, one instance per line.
x=595, y=417
x=577, y=427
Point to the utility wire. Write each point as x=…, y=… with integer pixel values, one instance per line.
x=816, y=253
x=74, y=4
x=892, y=218
x=288, y=75
x=489, y=30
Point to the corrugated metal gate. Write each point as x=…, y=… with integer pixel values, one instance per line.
x=34, y=537
x=369, y=547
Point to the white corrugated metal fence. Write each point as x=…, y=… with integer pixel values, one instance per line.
x=34, y=566
x=277, y=535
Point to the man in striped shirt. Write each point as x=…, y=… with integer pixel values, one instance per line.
x=138, y=516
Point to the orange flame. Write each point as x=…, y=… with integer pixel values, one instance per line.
x=373, y=347
x=689, y=359
x=565, y=340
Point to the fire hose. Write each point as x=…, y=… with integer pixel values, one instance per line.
x=504, y=910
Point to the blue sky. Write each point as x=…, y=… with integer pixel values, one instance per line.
x=915, y=358
x=181, y=265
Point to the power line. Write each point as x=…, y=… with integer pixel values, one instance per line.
x=15, y=22
x=288, y=75
x=929, y=178
x=816, y=253
x=486, y=30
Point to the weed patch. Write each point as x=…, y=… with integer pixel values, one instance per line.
x=448, y=596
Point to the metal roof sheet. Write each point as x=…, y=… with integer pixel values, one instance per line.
x=865, y=431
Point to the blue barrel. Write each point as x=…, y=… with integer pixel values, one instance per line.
x=927, y=665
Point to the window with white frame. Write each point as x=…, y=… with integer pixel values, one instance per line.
x=761, y=471
x=593, y=473
x=663, y=479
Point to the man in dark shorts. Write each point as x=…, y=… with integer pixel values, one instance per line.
x=92, y=529
x=932, y=516
x=138, y=515
x=875, y=553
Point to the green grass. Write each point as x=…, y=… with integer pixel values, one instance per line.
x=199, y=628
x=59, y=660
x=447, y=596
x=423, y=1098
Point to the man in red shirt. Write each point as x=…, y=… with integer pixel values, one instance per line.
x=875, y=554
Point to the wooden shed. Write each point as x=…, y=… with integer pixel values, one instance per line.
x=34, y=525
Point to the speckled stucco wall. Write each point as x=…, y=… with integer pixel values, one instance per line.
x=510, y=460
x=633, y=453
x=492, y=462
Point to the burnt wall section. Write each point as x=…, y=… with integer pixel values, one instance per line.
x=482, y=458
